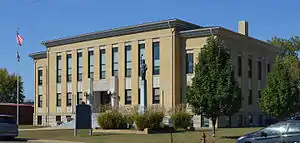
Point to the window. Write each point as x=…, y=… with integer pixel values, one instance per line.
x=58, y=99
x=249, y=68
x=58, y=67
x=189, y=63
x=139, y=96
x=40, y=77
x=69, y=99
x=58, y=118
x=79, y=66
x=115, y=62
x=240, y=120
x=294, y=128
x=259, y=93
x=275, y=129
x=128, y=96
x=40, y=100
x=39, y=120
x=79, y=97
x=260, y=120
x=128, y=61
x=240, y=93
x=156, y=61
x=91, y=64
x=69, y=67
x=102, y=64
x=268, y=67
x=259, y=70
x=250, y=97
x=141, y=54
x=239, y=65
x=156, y=96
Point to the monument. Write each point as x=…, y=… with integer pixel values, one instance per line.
x=143, y=86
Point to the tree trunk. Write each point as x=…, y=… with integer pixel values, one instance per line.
x=214, y=127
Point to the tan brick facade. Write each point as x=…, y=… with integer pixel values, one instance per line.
x=172, y=78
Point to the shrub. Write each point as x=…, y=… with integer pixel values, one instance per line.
x=181, y=120
x=112, y=120
x=129, y=119
x=141, y=121
x=150, y=119
x=155, y=118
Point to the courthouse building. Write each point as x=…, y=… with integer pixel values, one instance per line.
x=111, y=58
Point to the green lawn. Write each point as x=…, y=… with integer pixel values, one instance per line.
x=226, y=135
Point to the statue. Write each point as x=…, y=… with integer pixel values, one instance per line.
x=143, y=68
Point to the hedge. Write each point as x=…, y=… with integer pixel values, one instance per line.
x=181, y=120
x=112, y=120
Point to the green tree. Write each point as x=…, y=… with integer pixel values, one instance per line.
x=287, y=47
x=8, y=87
x=213, y=92
x=280, y=97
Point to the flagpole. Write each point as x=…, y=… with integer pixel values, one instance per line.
x=17, y=82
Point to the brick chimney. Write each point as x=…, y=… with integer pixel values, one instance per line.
x=243, y=27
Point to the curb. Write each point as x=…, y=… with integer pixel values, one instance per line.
x=51, y=141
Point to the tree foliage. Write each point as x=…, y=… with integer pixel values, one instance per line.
x=8, y=87
x=280, y=97
x=287, y=47
x=213, y=92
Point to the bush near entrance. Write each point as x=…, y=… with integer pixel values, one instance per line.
x=181, y=120
x=112, y=120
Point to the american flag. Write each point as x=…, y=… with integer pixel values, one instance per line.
x=19, y=39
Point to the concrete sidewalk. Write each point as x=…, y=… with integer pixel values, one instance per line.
x=51, y=141
x=45, y=129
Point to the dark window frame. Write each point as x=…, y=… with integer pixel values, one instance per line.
x=40, y=77
x=91, y=66
x=128, y=70
x=69, y=69
x=128, y=102
x=79, y=74
x=189, y=70
x=250, y=68
x=114, y=61
x=239, y=66
x=259, y=70
x=58, y=99
x=156, y=68
x=69, y=99
x=79, y=98
x=250, y=97
x=102, y=64
x=154, y=101
x=58, y=70
x=40, y=100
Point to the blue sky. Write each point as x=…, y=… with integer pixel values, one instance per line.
x=40, y=20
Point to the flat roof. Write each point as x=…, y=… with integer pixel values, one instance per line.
x=150, y=26
x=38, y=55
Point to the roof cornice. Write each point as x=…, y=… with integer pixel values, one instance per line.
x=38, y=55
x=173, y=23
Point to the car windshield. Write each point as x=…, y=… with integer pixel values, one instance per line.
x=6, y=119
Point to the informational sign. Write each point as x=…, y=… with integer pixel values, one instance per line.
x=83, y=118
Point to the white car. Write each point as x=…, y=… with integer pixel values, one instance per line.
x=8, y=127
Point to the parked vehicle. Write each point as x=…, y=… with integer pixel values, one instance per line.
x=8, y=127
x=282, y=132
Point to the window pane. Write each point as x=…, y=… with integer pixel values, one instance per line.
x=115, y=66
x=294, y=128
x=103, y=68
x=128, y=96
x=190, y=63
x=156, y=96
x=239, y=65
x=79, y=70
x=275, y=129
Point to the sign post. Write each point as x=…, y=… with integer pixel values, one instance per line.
x=83, y=118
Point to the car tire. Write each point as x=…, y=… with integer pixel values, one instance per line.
x=9, y=138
